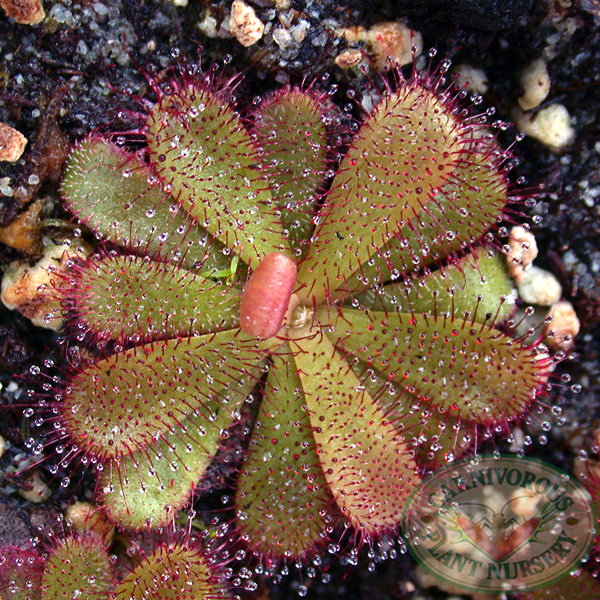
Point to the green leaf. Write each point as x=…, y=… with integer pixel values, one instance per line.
x=453, y=363
x=283, y=503
x=478, y=284
x=433, y=436
x=413, y=188
x=129, y=297
x=78, y=567
x=206, y=158
x=290, y=129
x=365, y=461
x=146, y=488
x=119, y=198
x=129, y=400
x=458, y=215
x=175, y=571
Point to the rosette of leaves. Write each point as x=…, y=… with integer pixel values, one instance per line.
x=76, y=566
x=389, y=355
x=80, y=566
x=174, y=570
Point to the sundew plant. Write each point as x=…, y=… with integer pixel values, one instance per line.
x=350, y=294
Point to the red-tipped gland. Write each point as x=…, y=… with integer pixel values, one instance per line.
x=267, y=296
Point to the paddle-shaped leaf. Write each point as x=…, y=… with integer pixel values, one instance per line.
x=77, y=567
x=454, y=363
x=130, y=400
x=291, y=131
x=129, y=297
x=175, y=571
x=414, y=180
x=478, y=284
x=117, y=195
x=206, y=158
x=145, y=489
x=283, y=503
x=467, y=205
x=366, y=462
x=432, y=435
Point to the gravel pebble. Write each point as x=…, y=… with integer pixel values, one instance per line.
x=523, y=251
x=551, y=126
x=244, y=25
x=535, y=82
x=25, y=12
x=565, y=326
x=539, y=286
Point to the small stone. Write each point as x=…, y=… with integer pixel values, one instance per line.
x=523, y=251
x=210, y=27
x=299, y=31
x=24, y=232
x=2, y=446
x=12, y=143
x=388, y=39
x=320, y=40
x=394, y=40
x=282, y=38
x=25, y=12
x=100, y=9
x=34, y=290
x=551, y=126
x=349, y=59
x=84, y=516
x=539, y=287
x=535, y=83
x=244, y=24
x=474, y=80
x=565, y=326
x=39, y=492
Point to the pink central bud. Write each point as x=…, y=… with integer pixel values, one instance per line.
x=267, y=296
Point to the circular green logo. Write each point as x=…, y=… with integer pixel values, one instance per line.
x=499, y=524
